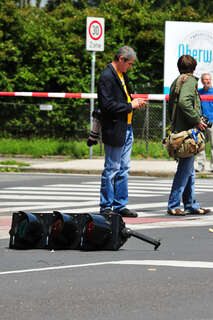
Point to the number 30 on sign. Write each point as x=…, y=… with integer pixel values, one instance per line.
x=95, y=34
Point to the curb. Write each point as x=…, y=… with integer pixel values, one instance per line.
x=98, y=172
x=145, y=173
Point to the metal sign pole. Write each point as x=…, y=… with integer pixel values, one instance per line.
x=164, y=120
x=94, y=42
x=92, y=99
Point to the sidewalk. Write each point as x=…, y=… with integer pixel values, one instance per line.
x=150, y=167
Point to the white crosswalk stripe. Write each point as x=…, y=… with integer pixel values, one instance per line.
x=147, y=196
x=85, y=197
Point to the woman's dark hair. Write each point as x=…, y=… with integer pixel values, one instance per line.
x=186, y=64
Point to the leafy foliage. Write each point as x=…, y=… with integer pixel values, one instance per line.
x=43, y=49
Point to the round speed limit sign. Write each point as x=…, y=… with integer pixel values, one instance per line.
x=95, y=30
x=95, y=34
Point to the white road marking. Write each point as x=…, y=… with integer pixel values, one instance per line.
x=50, y=190
x=57, y=187
x=41, y=206
x=190, y=221
x=131, y=186
x=40, y=197
x=10, y=193
x=198, y=182
x=168, y=263
x=160, y=263
x=84, y=198
x=134, y=185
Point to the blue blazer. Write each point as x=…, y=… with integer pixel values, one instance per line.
x=114, y=107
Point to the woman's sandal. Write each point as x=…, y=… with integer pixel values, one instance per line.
x=201, y=211
x=176, y=212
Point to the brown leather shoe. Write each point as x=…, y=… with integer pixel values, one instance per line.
x=201, y=211
x=176, y=212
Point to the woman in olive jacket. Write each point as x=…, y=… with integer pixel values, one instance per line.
x=184, y=95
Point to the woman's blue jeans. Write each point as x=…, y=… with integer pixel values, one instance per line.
x=184, y=186
x=114, y=179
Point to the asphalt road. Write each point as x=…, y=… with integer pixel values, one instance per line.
x=174, y=282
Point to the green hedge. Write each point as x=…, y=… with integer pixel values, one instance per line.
x=43, y=50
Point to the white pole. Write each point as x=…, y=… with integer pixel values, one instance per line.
x=164, y=120
x=92, y=99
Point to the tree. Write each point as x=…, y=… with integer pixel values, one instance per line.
x=44, y=50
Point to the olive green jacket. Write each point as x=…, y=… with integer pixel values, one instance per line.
x=188, y=106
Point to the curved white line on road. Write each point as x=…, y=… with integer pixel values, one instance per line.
x=160, y=263
x=168, y=263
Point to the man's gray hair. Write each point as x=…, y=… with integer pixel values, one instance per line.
x=127, y=52
x=205, y=74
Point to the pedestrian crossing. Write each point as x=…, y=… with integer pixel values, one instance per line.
x=147, y=196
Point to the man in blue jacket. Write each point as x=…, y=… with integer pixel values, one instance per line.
x=114, y=98
x=207, y=110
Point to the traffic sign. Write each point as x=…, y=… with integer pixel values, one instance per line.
x=95, y=34
x=46, y=107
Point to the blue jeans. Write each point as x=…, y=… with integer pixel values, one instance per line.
x=114, y=179
x=184, y=186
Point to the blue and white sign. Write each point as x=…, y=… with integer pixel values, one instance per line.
x=193, y=38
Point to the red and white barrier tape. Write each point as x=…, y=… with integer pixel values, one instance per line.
x=152, y=97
